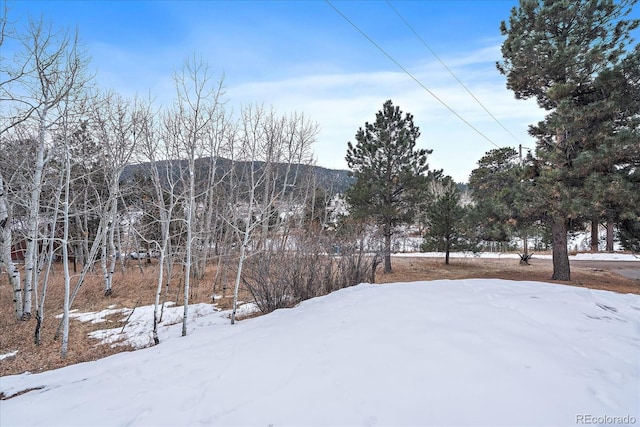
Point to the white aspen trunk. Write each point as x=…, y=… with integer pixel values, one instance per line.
x=85, y=230
x=45, y=281
x=12, y=271
x=207, y=230
x=300, y=136
x=168, y=244
x=166, y=213
x=156, y=304
x=118, y=250
x=222, y=137
x=111, y=253
x=245, y=242
x=266, y=209
x=31, y=255
x=189, y=243
x=169, y=268
x=243, y=254
x=165, y=217
x=91, y=257
x=236, y=287
x=65, y=258
x=5, y=252
x=196, y=108
x=49, y=261
x=250, y=137
x=76, y=232
x=294, y=156
x=103, y=253
x=44, y=254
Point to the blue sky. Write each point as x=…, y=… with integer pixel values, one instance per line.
x=304, y=57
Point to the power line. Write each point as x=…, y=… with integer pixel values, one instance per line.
x=409, y=74
x=449, y=70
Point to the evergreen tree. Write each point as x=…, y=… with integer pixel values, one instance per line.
x=444, y=217
x=555, y=52
x=629, y=234
x=494, y=184
x=504, y=205
x=613, y=157
x=389, y=172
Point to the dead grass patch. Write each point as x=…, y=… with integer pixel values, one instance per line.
x=407, y=269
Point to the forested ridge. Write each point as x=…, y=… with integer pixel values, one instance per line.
x=334, y=181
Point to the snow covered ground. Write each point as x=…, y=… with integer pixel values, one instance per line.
x=481, y=352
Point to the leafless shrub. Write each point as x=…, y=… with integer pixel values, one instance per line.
x=266, y=283
x=312, y=267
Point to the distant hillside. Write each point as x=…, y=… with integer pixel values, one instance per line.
x=332, y=180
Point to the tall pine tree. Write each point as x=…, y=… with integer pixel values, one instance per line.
x=389, y=172
x=555, y=52
x=612, y=161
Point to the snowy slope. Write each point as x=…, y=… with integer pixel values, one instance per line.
x=442, y=353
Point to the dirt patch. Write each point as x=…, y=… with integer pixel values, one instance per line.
x=136, y=285
x=20, y=393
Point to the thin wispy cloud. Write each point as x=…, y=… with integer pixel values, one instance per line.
x=341, y=103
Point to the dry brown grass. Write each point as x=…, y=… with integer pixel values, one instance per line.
x=137, y=286
x=412, y=269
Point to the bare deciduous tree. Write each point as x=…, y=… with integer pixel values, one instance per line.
x=47, y=71
x=269, y=147
x=197, y=107
x=115, y=120
x=5, y=250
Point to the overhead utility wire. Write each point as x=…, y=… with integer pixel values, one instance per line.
x=449, y=70
x=410, y=75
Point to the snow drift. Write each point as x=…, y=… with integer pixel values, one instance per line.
x=442, y=353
